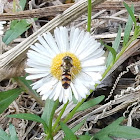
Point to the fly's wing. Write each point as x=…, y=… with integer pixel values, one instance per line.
x=86, y=78
x=83, y=75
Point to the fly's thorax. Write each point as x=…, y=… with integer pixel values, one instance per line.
x=67, y=64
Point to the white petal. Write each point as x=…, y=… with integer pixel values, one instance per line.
x=85, y=79
x=71, y=36
x=94, y=68
x=76, y=37
x=41, y=50
x=44, y=43
x=48, y=85
x=1, y=27
x=64, y=38
x=89, y=51
x=61, y=36
x=34, y=54
x=74, y=90
x=65, y=98
x=37, y=58
x=95, y=62
x=88, y=83
x=84, y=42
x=1, y=32
x=61, y=95
x=81, y=89
x=95, y=76
x=36, y=76
x=70, y=93
x=30, y=63
x=35, y=70
x=89, y=45
x=47, y=94
x=41, y=82
x=49, y=91
x=58, y=90
x=52, y=95
x=56, y=34
x=51, y=42
x=83, y=76
x=98, y=53
x=38, y=62
x=2, y=22
x=37, y=84
x=67, y=94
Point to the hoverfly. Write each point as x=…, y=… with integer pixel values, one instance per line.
x=67, y=65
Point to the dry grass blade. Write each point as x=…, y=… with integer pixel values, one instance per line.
x=54, y=10
x=117, y=5
x=41, y=12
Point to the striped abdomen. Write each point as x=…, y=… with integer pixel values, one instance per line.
x=66, y=79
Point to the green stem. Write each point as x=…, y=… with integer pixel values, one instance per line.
x=123, y=50
x=73, y=111
x=59, y=117
x=51, y=118
x=14, y=6
x=107, y=70
x=70, y=115
x=89, y=15
x=49, y=136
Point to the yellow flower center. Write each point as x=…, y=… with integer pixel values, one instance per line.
x=56, y=67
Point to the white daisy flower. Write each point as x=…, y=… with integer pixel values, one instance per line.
x=70, y=63
x=1, y=27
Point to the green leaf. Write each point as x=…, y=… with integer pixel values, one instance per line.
x=103, y=138
x=113, y=52
x=7, y=97
x=49, y=111
x=68, y=132
x=74, y=100
x=84, y=137
x=16, y=29
x=90, y=103
x=77, y=127
x=4, y=135
x=126, y=132
x=31, y=117
x=12, y=132
x=105, y=132
x=128, y=28
x=22, y=3
x=115, y=46
x=130, y=13
x=65, y=138
x=117, y=130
